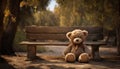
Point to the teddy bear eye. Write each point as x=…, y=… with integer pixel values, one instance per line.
x=78, y=36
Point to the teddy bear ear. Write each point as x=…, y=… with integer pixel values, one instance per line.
x=85, y=32
x=68, y=35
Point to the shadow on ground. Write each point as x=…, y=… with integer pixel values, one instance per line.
x=110, y=60
x=4, y=64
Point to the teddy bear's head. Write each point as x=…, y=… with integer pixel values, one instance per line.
x=77, y=36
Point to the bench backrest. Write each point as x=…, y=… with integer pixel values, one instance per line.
x=59, y=33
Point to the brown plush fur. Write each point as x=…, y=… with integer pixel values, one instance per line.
x=76, y=46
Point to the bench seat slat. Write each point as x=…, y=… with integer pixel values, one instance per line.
x=44, y=43
x=60, y=43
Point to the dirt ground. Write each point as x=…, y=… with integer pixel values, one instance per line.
x=53, y=59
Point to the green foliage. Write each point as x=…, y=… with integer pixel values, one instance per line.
x=29, y=9
x=42, y=4
x=74, y=13
x=20, y=36
x=89, y=12
x=38, y=4
x=45, y=18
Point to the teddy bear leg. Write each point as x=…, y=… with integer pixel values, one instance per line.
x=84, y=58
x=70, y=57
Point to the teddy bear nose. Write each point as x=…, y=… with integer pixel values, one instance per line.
x=77, y=40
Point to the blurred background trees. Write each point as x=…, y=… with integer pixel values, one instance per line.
x=89, y=12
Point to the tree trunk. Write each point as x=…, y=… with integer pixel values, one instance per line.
x=118, y=38
x=10, y=31
x=2, y=8
x=118, y=30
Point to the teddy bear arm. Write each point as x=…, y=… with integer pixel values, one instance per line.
x=68, y=50
x=87, y=50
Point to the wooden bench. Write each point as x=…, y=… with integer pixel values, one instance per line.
x=40, y=36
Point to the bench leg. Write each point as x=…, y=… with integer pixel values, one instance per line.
x=95, y=52
x=31, y=52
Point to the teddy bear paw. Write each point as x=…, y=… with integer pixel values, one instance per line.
x=70, y=57
x=84, y=58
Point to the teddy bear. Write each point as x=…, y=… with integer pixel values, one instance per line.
x=76, y=50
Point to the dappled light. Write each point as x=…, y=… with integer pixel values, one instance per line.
x=33, y=33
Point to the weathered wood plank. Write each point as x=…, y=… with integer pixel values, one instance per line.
x=59, y=43
x=43, y=36
x=44, y=43
x=56, y=29
x=31, y=52
x=59, y=33
x=47, y=36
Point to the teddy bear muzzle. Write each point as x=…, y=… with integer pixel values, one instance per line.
x=77, y=40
